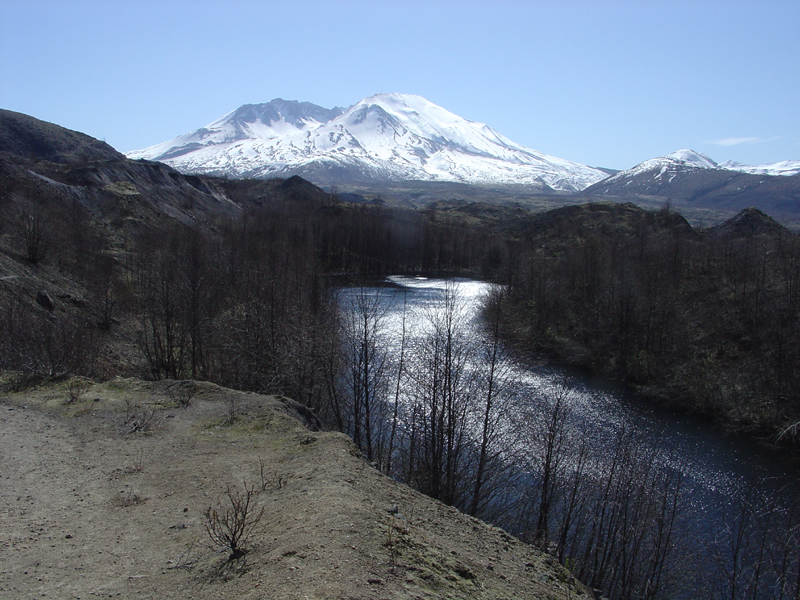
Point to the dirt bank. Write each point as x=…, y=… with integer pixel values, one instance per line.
x=90, y=508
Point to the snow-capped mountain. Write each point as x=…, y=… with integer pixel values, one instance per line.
x=388, y=137
x=249, y=122
x=665, y=168
x=668, y=167
x=689, y=177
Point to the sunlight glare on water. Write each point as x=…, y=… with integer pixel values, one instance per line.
x=713, y=464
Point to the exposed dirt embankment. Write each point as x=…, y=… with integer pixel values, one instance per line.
x=93, y=506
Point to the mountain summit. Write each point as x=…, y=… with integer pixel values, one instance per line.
x=693, y=179
x=684, y=161
x=387, y=137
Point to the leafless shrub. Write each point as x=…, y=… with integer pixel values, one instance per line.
x=186, y=560
x=231, y=526
x=129, y=498
x=77, y=387
x=20, y=382
x=182, y=393
x=33, y=230
x=234, y=408
x=130, y=409
x=270, y=480
x=142, y=420
x=137, y=462
x=38, y=342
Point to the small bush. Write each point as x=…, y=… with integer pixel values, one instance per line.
x=183, y=392
x=137, y=463
x=129, y=498
x=234, y=408
x=270, y=480
x=77, y=387
x=142, y=420
x=231, y=526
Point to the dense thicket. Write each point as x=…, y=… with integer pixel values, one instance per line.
x=241, y=299
x=708, y=321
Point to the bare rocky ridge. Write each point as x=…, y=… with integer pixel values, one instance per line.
x=89, y=510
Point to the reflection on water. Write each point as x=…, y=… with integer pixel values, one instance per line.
x=715, y=465
x=716, y=470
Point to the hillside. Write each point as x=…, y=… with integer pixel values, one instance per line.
x=115, y=268
x=90, y=509
x=27, y=137
x=112, y=267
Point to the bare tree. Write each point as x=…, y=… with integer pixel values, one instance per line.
x=366, y=376
x=497, y=390
x=401, y=363
x=755, y=554
x=33, y=230
x=545, y=420
x=442, y=388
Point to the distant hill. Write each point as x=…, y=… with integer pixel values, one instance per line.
x=27, y=137
x=749, y=222
x=47, y=162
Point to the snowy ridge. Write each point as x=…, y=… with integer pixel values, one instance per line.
x=386, y=137
x=665, y=168
x=261, y=121
x=784, y=167
x=692, y=159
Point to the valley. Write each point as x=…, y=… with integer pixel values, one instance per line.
x=125, y=270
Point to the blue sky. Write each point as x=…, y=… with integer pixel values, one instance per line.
x=601, y=82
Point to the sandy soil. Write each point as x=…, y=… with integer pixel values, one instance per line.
x=91, y=509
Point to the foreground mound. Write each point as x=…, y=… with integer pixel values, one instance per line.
x=105, y=490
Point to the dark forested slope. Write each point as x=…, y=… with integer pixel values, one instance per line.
x=707, y=319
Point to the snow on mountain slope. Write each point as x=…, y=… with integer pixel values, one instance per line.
x=250, y=121
x=784, y=167
x=666, y=168
x=692, y=158
x=384, y=137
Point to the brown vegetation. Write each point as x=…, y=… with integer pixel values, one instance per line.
x=89, y=510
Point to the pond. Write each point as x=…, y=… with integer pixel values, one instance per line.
x=716, y=467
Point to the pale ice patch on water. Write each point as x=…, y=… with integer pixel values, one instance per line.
x=468, y=291
x=415, y=298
